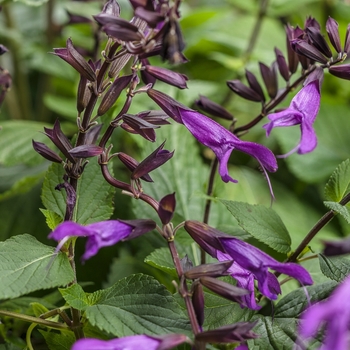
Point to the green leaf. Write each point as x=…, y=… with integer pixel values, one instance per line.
x=340, y=209
x=339, y=183
x=335, y=268
x=62, y=340
x=262, y=223
x=75, y=296
x=38, y=309
x=162, y=260
x=26, y=265
x=21, y=151
x=137, y=304
x=94, y=194
x=52, y=219
x=61, y=105
x=294, y=303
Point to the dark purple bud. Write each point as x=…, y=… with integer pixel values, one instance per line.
x=337, y=248
x=167, y=104
x=209, y=270
x=146, y=4
x=198, y=302
x=76, y=60
x=70, y=199
x=76, y=19
x=3, y=49
x=317, y=40
x=83, y=94
x=166, y=208
x=60, y=140
x=152, y=18
x=153, y=161
x=111, y=8
x=282, y=64
x=293, y=59
x=131, y=164
x=171, y=341
x=236, y=332
x=113, y=93
x=172, y=44
x=146, y=77
x=270, y=78
x=124, y=33
x=168, y=76
x=140, y=227
x=5, y=83
x=333, y=33
x=244, y=91
x=341, y=71
x=118, y=64
x=302, y=48
x=254, y=84
x=86, y=151
x=347, y=40
x=46, y=152
x=92, y=134
x=213, y=108
x=136, y=125
x=316, y=74
x=205, y=236
x=224, y=289
x=312, y=22
x=154, y=117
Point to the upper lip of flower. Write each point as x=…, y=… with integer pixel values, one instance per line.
x=303, y=110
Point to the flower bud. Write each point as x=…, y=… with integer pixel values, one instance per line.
x=46, y=152
x=86, y=151
x=209, y=270
x=347, y=40
x=254, y=84
x=333, y=33
x=3, y=49
x=92, y=134
x=152, y=18
x=243, y=91
x=131, y=164
x=167, y=208
x=198, y=302
x=341, y=71
x=319, y=41
x=167, y=76
x=140, y=227
x=154, y=117
x=83, y=94
x=213, y=108
x=301, y=47
x=111, y=8
x=293, y=59
x=282, y=64
x=270, y=78
x=136, y=125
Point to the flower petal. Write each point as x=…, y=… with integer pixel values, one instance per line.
x=308, y=141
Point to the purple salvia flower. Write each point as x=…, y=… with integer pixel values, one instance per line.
x=101, y=234
x=303, y=111
x=335, y=312
x=133, y=342
x=223, y=142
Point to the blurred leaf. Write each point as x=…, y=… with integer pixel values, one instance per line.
x=20, y=151
x=134, y=304
x=285, y=7
x=62, y=340
x=26, y=265
x=94, y=194
x=340, y=209
x=52, y=219
x=262, y=223
x=61, y=105
x=33, y=2
x=162, y=260
x=339, y=183
x=335, y=268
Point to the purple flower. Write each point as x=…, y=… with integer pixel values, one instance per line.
x=250, y=263
x=133, y=342
x=223, y=142
x=335, y=312
x=303, y=111
x=101, y=234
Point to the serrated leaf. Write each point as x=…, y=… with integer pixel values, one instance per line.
x=297, y=301
x=338, y=184
x=62, y=340
x=162, y=260
x=262, y=223
x=52, y=219
x=16, y=142
x=135, y=305
x=340, y=209
x=75, y=297
x=26, y=265
x=94, y=194
x=335, y=268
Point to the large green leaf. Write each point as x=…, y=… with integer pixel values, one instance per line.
x=27, y=265
x=335, y=268
x=161, y=259
x=262, y=223
x=94, y=194
x=339, y=183
x=134, y=305
x=16, y=142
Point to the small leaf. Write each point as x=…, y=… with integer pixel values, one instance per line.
x=162, y=260
x=339, y=183
x=27, y=265
x=38, y=309
x=75, y=297
x=262, y=223
x=137, y=304
x=52, y=219
x=340, y=209
x=62, y=341
x=335, y=268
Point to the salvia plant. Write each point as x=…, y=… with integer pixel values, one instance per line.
x=203, y=265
